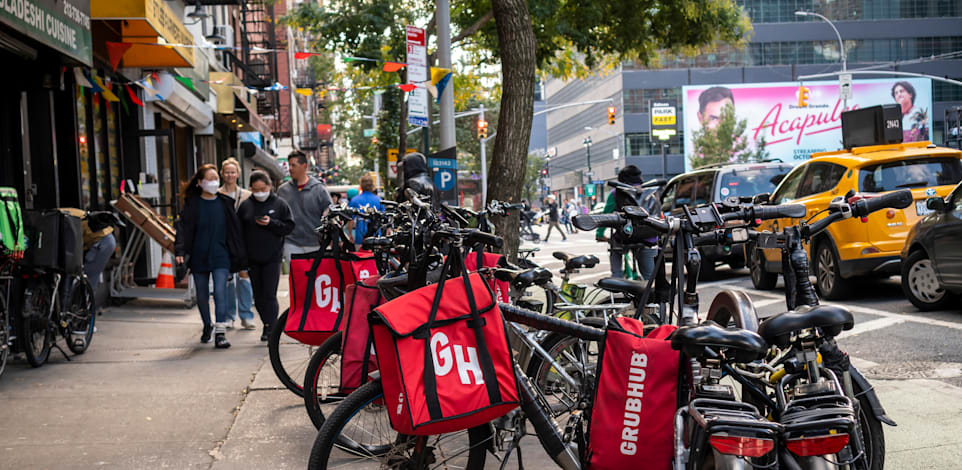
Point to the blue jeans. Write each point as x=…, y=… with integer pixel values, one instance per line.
x=220, y=295
x=240, y=296
x=96, y=257
x=645, y=257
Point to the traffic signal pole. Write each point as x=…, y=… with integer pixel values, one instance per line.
x=484, y=165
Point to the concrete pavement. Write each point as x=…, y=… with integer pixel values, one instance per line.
x=149, y=395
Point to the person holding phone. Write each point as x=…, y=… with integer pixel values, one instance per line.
x=265, y=221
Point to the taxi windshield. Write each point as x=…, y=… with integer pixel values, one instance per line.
x=917, y=173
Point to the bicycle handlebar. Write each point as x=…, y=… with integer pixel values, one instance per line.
x=476, y=236
x=896, y=200
x=547, y=323
x=593, y=221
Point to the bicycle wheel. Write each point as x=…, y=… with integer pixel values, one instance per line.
x=4, y=332
x=362, y=422
x=870, y=430
x=37, y=328
x=77, y=319
x=289, y=357
x=576, y=357
x=323, y=378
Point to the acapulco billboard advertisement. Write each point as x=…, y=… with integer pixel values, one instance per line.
x=792, y=133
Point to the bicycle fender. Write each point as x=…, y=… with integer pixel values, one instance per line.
x=869, y=393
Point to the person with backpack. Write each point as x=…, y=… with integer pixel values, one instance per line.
x=642, y=248
x=210, y=241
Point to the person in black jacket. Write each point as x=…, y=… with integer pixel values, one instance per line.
x=417, y=177
x=265, y=220
x=209, y=240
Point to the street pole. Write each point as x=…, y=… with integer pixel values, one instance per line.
x=841, y=45
x=664, y=160
x=587, y=143
x=443, y=16
x=484, y=166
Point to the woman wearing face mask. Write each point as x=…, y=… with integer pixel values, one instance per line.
x=265, y=220
x=239, y=292
x=209, y=239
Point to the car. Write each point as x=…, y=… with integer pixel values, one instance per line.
x=715, y=183
x=855, y=248
x=932, y=257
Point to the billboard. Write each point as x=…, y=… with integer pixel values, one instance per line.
x=791, y=132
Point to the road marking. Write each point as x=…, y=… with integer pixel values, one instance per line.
x=765, y=303
x=870, y=326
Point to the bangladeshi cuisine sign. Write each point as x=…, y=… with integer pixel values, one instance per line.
x=61, y=24
x=792, y=133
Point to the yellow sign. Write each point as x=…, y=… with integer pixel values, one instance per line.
x=663, y=116
x=147, y=22
x=392, y=155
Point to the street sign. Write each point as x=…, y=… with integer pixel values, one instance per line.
x=590, y=190
x=664, y=120
x=444, y=165
x=845, y=86
x=392, y=158
x=369, y=132
x=417, y=73
x=598, y=182
x=444, y=179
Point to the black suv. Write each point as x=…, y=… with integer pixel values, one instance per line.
x=715, y=183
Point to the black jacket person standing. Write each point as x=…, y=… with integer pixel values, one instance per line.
x=265, y=220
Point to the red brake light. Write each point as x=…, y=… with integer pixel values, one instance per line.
x=742, y=446
x=821, y=445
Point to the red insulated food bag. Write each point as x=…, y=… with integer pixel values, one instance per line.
x=632, y=416
x=489, y=260
x=317, y=284
x=357, y=347
x=445, y=366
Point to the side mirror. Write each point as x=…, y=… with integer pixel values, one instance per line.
x=762, y=198
x=935, y=203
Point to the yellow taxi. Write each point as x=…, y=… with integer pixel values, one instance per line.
x=852, y=248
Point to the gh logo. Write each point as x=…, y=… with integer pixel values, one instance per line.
x=363, y=274
x=442, y=354
x=326, y=294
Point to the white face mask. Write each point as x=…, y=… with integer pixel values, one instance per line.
x=210, y=186
x=262, y=196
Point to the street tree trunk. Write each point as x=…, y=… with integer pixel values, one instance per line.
x=508, y=163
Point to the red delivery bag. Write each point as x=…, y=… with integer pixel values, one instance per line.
x=489, y=260
x=444, y=366
x=357, y=347
x=636, y=396
x=317, y=283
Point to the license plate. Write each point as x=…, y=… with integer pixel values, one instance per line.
x=921, y=209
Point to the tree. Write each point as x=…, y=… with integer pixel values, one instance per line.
x=726, y=142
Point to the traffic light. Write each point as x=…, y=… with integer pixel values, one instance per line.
x=611, y=115
x=802, y=97
x=482, y=129
x=544, y=172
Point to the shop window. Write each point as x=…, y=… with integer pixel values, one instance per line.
x=83, y=148
x=114, y=146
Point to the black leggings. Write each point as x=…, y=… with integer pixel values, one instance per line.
x=264, y=279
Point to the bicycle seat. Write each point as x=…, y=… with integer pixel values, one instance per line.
x=523, y=278
x=631, y=288
x=739, y=345
x=831, y=319
x=576, y=262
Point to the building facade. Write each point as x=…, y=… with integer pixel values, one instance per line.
x=782, y=47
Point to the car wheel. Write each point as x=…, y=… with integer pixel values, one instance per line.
x=761, y=278
x=921, y=283
x=828, y=277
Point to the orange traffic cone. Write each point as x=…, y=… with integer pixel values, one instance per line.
x=165, y=278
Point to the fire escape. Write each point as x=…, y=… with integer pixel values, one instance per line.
x=259, y=66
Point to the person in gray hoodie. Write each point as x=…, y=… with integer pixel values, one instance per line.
x=309, y=200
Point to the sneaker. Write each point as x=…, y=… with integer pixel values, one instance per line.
x=248, y=324
x=205, y=336
x=266, y=334
x=230, y=324
x=220, y=341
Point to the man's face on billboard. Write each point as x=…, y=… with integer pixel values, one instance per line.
x=713, y=111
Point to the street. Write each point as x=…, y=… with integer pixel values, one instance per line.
x=148, y=395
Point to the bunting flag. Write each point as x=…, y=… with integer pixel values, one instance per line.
x=304, y=55
x=439, y=80
x=275, y=87
x=304, y=91
x=123, y=102
x=393, y=66
x=133, y=96
x=108, y=94
x=407, y=87
x=187, y=82
x=148, y=87
x=94, y=86
x=80, y=78
x=116, y=51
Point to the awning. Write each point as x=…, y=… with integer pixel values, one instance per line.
x=145, y=22
x=181, y=102
x=234, y=101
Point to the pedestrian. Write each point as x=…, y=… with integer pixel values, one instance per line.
x=335, y=199
x=526, y=215
x=265, y=220
x=351, y=194
x=364, y=200
x=99, y=243
x=239, y=291
x=566, y=216
x=209, y=240
x=573, y=210
x=643, y=252
x=309, y=200
x=551, y=207
x=414, y=167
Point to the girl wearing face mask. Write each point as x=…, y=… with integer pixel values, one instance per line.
x=265, y=221
x=239, y=292
x=209, y=240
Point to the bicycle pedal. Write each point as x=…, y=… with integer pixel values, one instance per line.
x=574, y=420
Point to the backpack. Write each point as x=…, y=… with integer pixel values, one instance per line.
x=11, y=224
x=648, y=199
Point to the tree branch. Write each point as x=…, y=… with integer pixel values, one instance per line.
x=470, y=30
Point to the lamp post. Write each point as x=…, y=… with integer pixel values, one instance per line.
x=841, y=46
x=587, y=144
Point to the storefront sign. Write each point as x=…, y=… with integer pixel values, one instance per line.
x=61, y=24
x=793, y=133
x=145, y=23
x=664, y=122
x=417, y=74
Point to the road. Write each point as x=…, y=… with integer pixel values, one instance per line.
x=149, y=395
